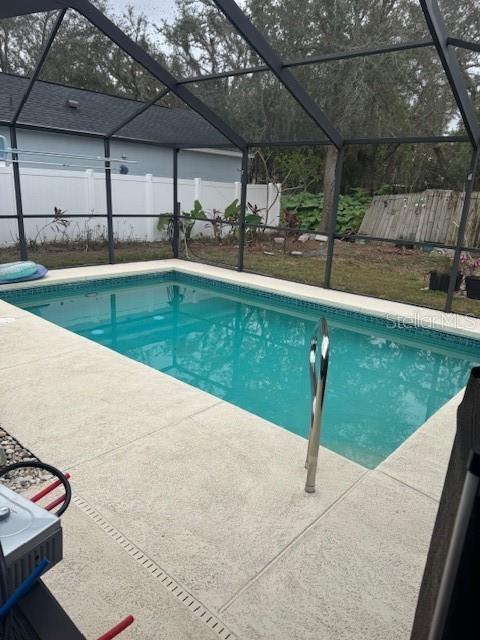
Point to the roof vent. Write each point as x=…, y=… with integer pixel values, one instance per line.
x=72, y=104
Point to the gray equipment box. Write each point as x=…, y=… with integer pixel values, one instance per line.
x=28, y=534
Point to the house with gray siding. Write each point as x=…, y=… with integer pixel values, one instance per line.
x=60, y=146
x=54, y=109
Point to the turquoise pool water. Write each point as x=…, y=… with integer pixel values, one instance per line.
x=384, y=382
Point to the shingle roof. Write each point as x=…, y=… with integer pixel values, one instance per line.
x=99, y=113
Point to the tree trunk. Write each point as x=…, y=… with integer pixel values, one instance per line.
x=328, y=189
x=442, y=162
x=392, y=162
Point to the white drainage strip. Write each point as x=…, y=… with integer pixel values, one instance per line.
x=195, y=606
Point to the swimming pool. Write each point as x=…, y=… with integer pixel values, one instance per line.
x=251, y=348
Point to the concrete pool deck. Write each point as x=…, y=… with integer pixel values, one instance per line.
x=190, y=513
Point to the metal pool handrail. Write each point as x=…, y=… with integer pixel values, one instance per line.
x=318, y=396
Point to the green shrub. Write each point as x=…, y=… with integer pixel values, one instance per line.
x=351, y=211
x=308, y=209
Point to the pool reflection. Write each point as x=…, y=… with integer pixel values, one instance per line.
x=381, y=386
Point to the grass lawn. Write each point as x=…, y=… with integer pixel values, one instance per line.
x=75, y=254
x=382, y=271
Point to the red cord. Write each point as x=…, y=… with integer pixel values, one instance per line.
x=55, y=503
x=121, y=626
x=41, y=494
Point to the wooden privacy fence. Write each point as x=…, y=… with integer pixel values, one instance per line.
x=432, y=216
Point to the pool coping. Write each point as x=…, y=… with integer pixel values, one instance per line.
x=397, y=312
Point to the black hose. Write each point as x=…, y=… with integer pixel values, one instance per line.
x=9, y=628
x=46, y=467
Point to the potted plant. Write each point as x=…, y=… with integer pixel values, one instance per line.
x=470, y=267
x=439, y=281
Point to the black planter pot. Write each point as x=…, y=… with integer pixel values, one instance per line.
x=439, y=281
x=472, y=287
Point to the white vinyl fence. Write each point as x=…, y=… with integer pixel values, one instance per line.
x=83, y=193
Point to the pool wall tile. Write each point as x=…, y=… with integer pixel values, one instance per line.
x=20, y=296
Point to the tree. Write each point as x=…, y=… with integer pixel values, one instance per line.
x=402, y=93
x=201, y=41
x=22, y=40
x=81, y=56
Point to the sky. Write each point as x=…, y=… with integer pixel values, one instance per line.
x=154, y=9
